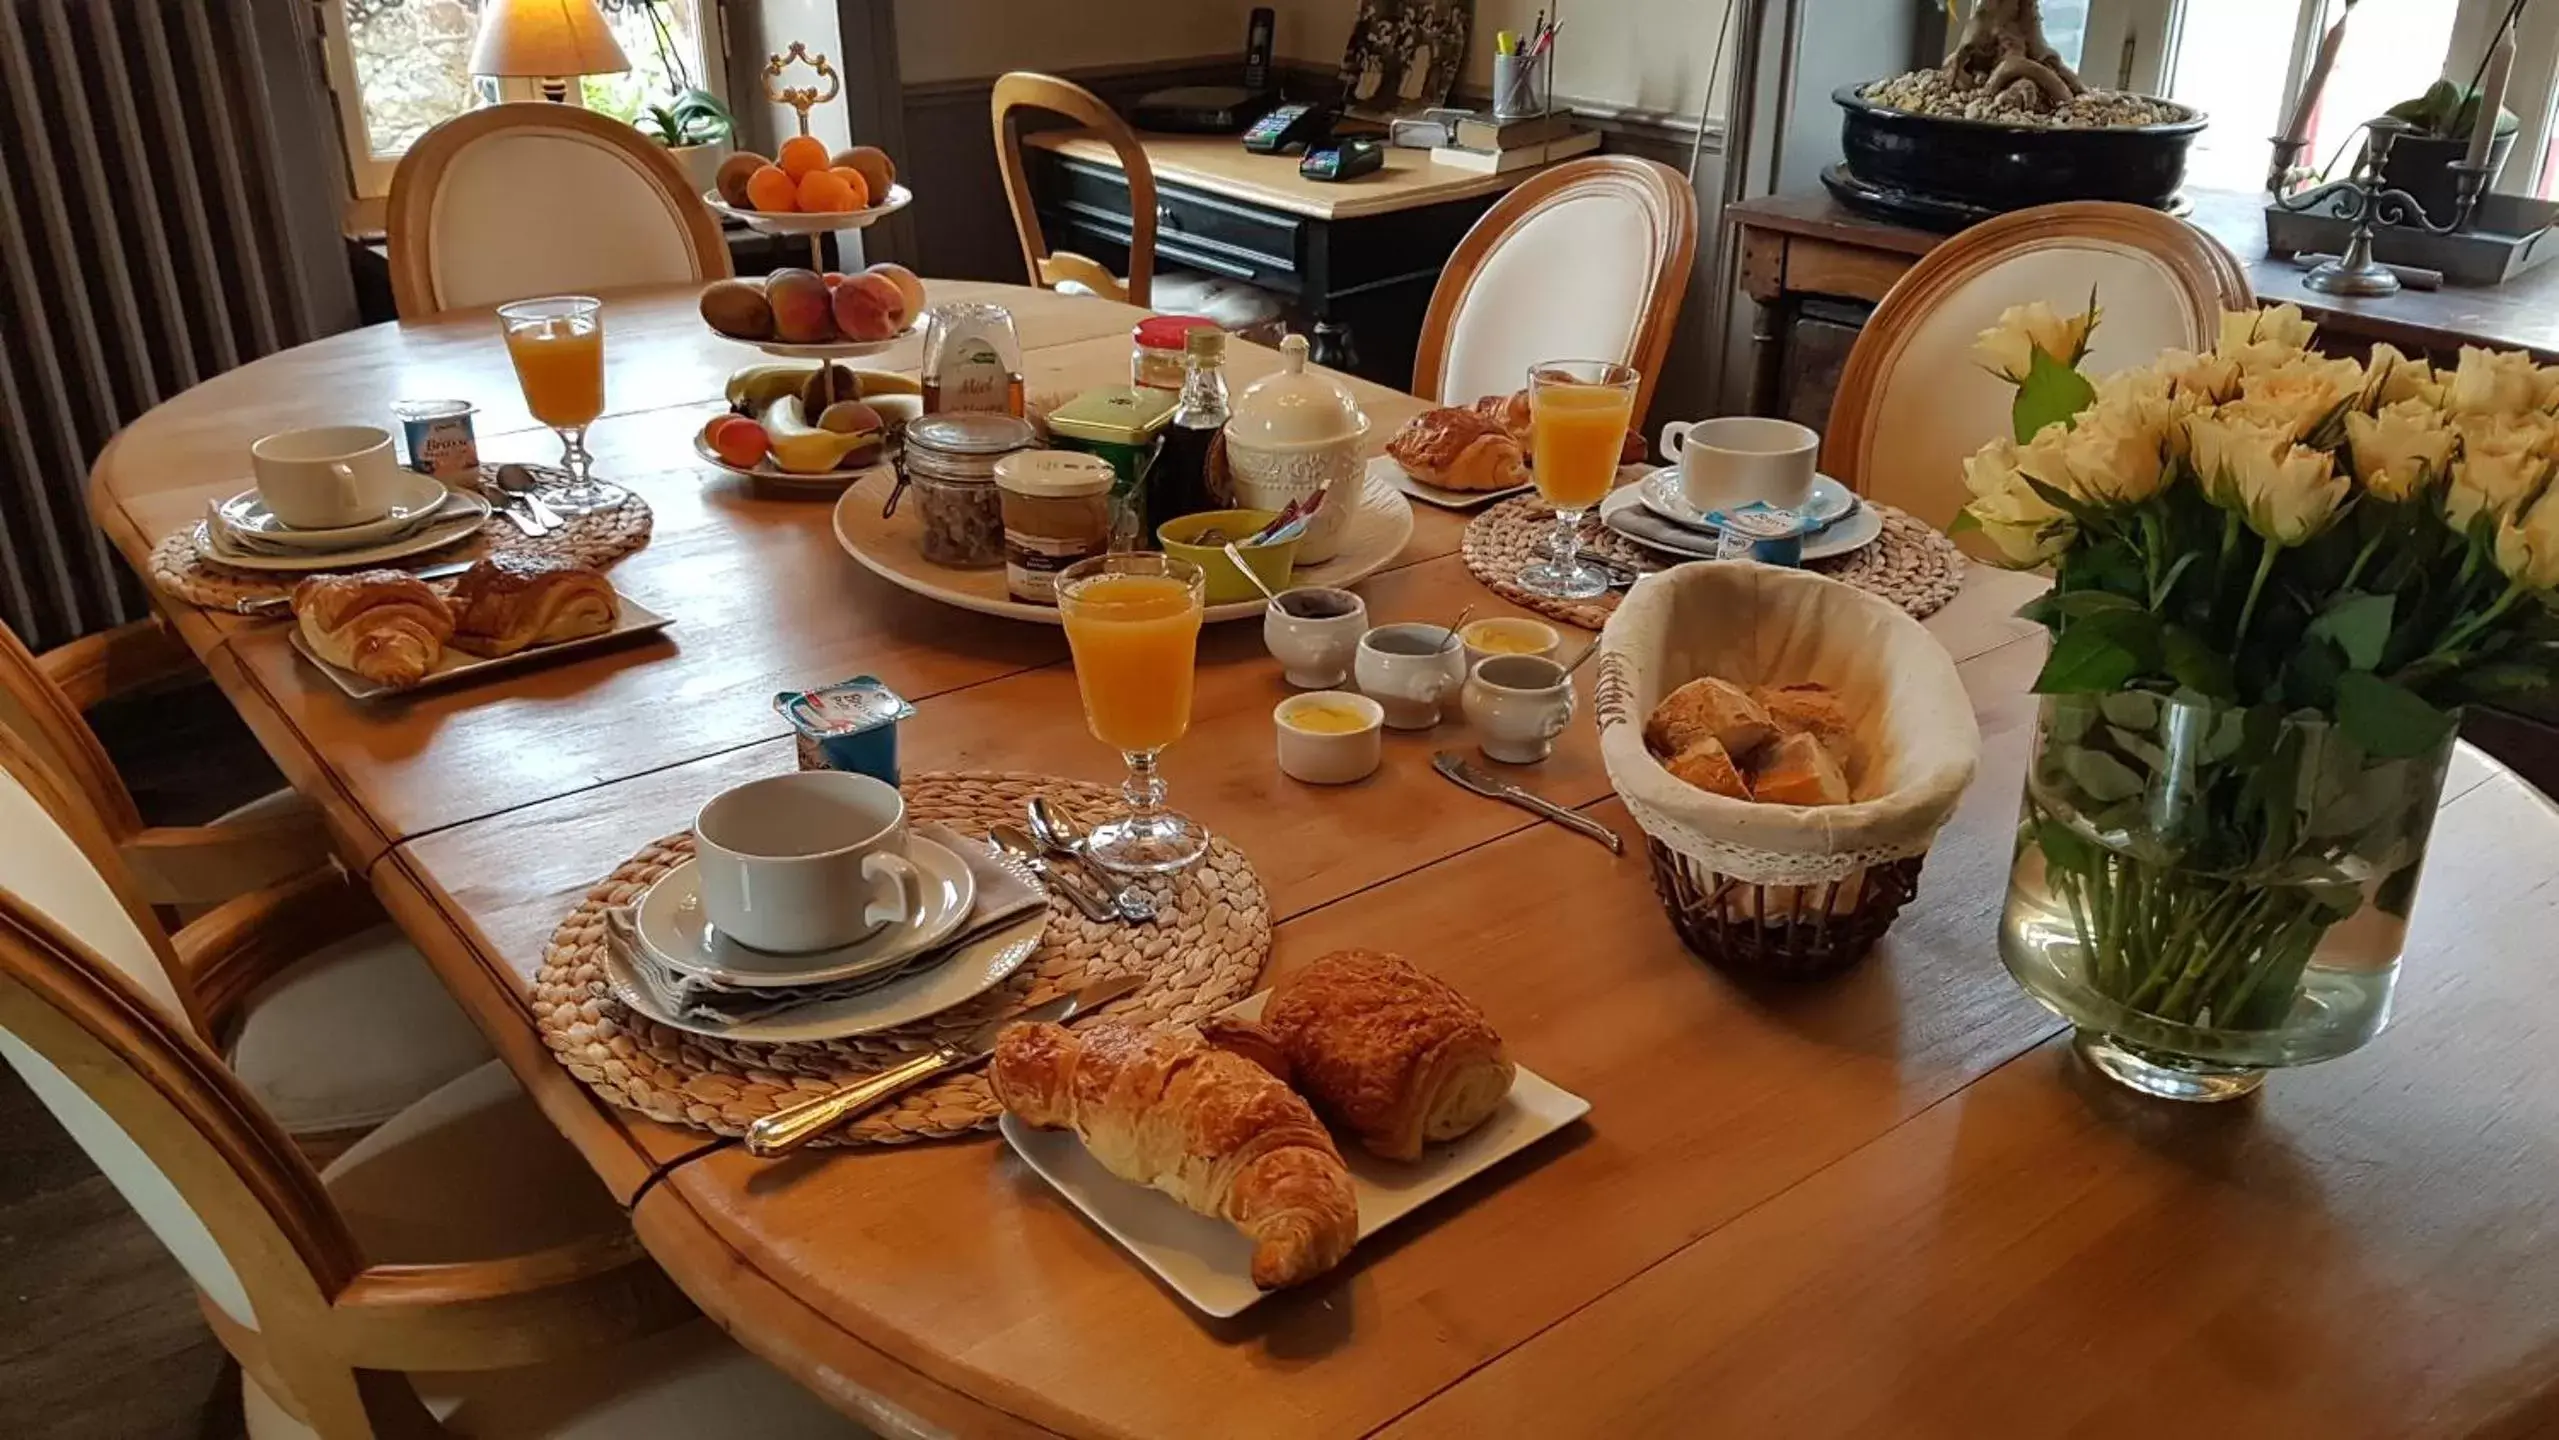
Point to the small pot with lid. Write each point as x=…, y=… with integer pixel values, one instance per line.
x=1057, y=511
x=1294, y=435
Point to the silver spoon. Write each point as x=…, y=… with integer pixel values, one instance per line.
x=1587, y=651
x=1011, y=840
x=1237, y=556
x=1450, y=640
x=1055, y=829
x=518, y=481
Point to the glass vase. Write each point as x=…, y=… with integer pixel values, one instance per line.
x=2209, y=892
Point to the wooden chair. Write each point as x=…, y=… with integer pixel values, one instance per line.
x=535, y=199
x=344, y=1028
x=462, y=1236
x=1234, y=307
x=1913, y=403
x=1588, y=260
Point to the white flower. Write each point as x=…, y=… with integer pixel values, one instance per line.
x=2528, y=545
x=2008, y=348
x=2291, y=495
x=2495, y=382
x=2399, y=451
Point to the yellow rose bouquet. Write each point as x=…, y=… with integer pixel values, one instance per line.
x=2277, y=574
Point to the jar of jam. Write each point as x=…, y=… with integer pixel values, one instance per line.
x=1057, y=511
x=950, y=461
x=1156, y=358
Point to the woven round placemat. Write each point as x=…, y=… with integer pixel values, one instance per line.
x=1205, y=954
x=598, y=540
x=1910, y=564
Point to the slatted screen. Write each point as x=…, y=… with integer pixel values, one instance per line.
x=148, y=242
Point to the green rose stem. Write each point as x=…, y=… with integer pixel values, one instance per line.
x=2256, y=589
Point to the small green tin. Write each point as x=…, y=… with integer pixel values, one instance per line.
x=1120, y=423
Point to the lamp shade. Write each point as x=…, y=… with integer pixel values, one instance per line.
x=544, y=38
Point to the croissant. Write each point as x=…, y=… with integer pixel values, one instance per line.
x=508, y=603
x=1211, y=1129
x=1396, y=1056
x=1459, y=450
x=384, y=625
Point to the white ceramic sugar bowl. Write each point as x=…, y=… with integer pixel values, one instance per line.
x=1291, y=435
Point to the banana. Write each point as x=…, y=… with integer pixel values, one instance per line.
x=802, y=448
x=756, y=387
x=867, y=383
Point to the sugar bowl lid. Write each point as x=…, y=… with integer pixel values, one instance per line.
x=1295, y=409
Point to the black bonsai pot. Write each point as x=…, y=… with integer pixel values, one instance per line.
x=2422, y=166
x=1938, y=170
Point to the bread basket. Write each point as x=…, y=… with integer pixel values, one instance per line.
x=1782, y=889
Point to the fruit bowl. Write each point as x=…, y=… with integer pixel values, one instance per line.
x=766, y=472
x=804, y=222
x=829, y=350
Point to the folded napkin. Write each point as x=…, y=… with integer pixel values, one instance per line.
x=1005, y=893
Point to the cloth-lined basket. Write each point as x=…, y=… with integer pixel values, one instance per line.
x=1783, y=889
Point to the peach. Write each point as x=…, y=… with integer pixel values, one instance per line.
x=870, y=307
x=734, y=173
x=800, y=312
x=801, y=154
x=772, y=189
x=909, y=286
x=878, y=171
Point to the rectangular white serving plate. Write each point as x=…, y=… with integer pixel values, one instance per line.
x=1208, y=1261
x=458, y=668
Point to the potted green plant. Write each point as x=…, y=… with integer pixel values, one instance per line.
x=695, y=129
x=2445, y=116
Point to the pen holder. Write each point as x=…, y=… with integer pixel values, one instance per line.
x=1519, y=86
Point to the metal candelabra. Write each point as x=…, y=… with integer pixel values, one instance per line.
x=2363, y=199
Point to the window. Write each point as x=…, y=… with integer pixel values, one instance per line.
x=402, y=67
x=2243, y=61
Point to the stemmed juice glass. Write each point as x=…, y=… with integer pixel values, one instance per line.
x=1578, y=412
x=1133, y=623
x=557, y=344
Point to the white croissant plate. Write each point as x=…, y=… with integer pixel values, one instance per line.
x=1209, y=1262
x=460, y=666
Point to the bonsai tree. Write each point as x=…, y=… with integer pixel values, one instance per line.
x=2002, y=42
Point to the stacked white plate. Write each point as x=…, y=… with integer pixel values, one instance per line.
x=1657, y=513
x=424, y=516
x=892, y=978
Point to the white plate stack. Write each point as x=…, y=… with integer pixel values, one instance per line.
x=424, y=516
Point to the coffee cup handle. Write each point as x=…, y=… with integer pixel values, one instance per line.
x=345, y=489
x=1675, y=439
x=908, y=907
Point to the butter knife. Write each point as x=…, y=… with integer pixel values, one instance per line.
x=1468, y=777
x=793, y=1126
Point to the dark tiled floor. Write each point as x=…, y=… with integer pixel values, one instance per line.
x=99, y=1334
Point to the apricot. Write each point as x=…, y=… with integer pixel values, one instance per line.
x=801, y=154
x=853, y=179
x=821, y=193
x=870, y=307
x=771, y=189
x=739, y=441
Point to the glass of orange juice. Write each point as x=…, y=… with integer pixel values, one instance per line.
x=557, y=344
x=1578, y=413
x=1133, y=623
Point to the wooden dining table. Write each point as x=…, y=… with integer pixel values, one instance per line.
x=1887, y=1203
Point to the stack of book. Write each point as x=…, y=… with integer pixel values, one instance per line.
x=1494, y=147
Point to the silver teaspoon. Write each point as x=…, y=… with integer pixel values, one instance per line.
x=1055, y=828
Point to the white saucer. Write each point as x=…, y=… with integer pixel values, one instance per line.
x=968, y=972
x=458, y=518
x=1626, y=513
x=1666, y=495
x=419, y=497
x=674, y=926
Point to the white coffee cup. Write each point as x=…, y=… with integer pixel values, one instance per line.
x=331, y=476
x=1410, y=671
x=808, y=861
x=1518, y=704
x=1314, y=633
x=1731, y=460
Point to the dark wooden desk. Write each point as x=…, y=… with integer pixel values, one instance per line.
x=1802, y=247
x=1358, y=256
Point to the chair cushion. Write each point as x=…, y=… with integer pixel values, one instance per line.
x=470, y=1172
x=350, y=1035
x=684, y=1383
